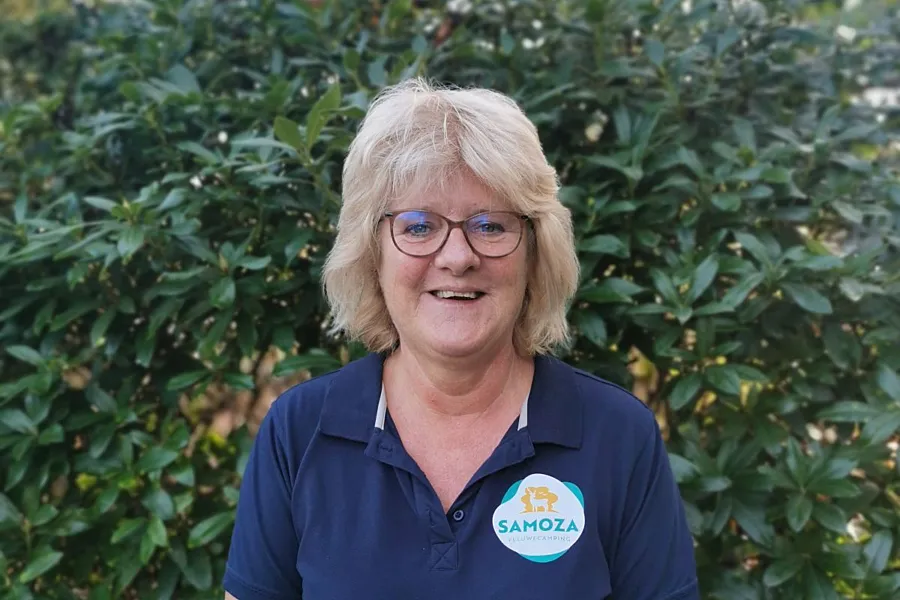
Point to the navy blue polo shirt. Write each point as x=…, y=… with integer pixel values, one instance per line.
x=577, y=502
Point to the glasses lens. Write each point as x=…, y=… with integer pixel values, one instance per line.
x=419, y=233
x=494, y=233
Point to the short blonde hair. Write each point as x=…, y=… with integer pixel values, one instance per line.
x=420, y=134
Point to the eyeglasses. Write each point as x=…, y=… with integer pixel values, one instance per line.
x=492, y=234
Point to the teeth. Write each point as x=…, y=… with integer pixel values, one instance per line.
x=446, y=295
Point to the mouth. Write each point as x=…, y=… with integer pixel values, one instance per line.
x=458, y=296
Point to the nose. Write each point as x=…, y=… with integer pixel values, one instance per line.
x=456, y=255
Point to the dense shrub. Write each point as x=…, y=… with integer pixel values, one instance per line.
x=170, y=174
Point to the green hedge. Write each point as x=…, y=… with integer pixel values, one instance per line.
x=169, y=180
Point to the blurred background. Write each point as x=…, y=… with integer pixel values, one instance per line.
x=169, y=182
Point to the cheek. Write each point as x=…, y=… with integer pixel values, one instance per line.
x=400, y=275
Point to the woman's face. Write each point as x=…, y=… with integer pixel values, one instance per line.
x=412, y=286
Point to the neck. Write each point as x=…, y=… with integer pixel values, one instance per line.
x=472, y=386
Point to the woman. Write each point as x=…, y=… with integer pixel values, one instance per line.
x=458, y=459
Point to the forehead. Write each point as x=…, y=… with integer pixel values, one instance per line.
x=458, y=197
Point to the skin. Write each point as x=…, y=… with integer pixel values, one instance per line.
x=446, y=339
x=456, y=383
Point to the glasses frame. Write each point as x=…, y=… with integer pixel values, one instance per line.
x=389, y=215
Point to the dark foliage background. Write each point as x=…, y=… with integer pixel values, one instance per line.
x=169, y=178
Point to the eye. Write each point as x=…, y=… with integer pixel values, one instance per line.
x=487, y=227
x=417, y=229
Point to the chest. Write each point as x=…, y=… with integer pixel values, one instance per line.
x=450, y=464
x=388, y=529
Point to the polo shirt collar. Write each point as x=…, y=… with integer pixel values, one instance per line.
x=554, y=412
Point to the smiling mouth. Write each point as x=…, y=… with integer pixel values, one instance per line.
x=463, y=296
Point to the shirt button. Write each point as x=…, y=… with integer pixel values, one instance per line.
x=459, y=515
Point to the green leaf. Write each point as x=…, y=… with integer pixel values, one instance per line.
x=17, y=420
x=654, y=50
x=199, y=151
x=726, y=40
x=101, y=325
x=818, y=585
x=689, y=158
x=721, y=515
x=831, y=517
x=835, y=488
x=777, y=175
x=43, y=515
x=752, y=519
x=704, y=275
x=682, y=468
x=798, y=511
x=183, y=380
x=611, y=290
x=208, y=529
x=39, y=566
x=145, y=553
x=622, y=121
x=684, y=391
x=316, y=361
x=605, y=244
x=736, y=295
x=183, y=474
x=877, y=551
x=782, y=570
x=25, y=354
x=184, y=79
x=288, y=132
x=222, y=294
x=130, y=241
x=155, y=458
x=752, y=245
x=724, y=378
x=889, y=382
x=759, y=192
x=664, y=286
x=9, y=513
x=100, y=399
x=883, y=428
x=318, y=114
x=848, y=211
x=254, y=263
x=126, y=528
x=160, y=504
x=841, y=565
x=52, y=435
x=848, y=411
x=156, y=531
x=173, y=199
x=797, y=462
x=101, y=203
x=241, y=381
x=842, y=347
x=726, y=201
x=808, y=298
x=198, y=569
x=592, y=327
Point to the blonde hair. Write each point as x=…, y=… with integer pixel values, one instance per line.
x=420, y=134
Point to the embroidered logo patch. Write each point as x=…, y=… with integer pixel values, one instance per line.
x=540, y=517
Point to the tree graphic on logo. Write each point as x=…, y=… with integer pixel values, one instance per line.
x=538, y=499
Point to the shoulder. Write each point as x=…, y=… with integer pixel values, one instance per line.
x=612, y=409
x=342, y=401
x=302, y=403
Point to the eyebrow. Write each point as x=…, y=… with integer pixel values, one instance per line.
x=477, y=211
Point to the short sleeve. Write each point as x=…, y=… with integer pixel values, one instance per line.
x=655, y=551
x=263, y=552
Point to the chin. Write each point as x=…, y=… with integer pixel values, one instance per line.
x=459, y=348
x=455, y=350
